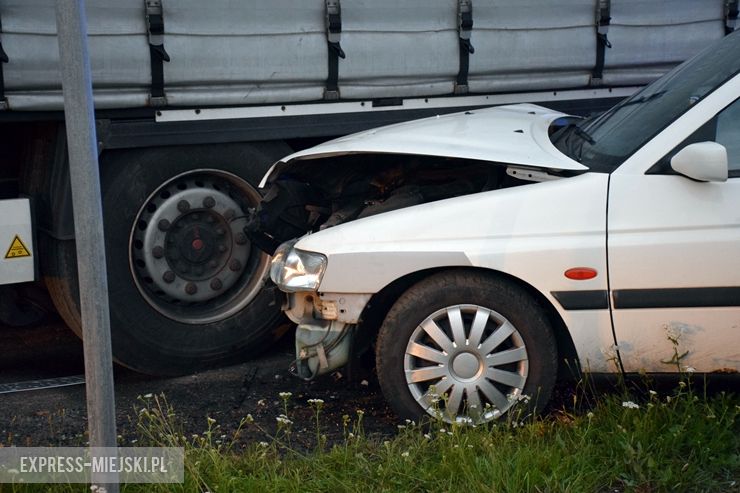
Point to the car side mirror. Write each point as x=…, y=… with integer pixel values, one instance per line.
x=702, y=161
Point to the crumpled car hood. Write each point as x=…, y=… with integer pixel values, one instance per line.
x=513, y=134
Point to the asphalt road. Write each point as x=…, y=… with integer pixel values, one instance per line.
x=57, y=416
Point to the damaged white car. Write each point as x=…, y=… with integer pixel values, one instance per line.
x=514, y=238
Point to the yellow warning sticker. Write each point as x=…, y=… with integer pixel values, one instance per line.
x=17, y=249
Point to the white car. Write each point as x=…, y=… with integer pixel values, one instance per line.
x=612, y=241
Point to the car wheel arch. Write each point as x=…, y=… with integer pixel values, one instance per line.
x=382, y=301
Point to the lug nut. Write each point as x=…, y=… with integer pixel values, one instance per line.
x=212, y=264
x=229, y=214
x=183, y=206
x=235, y=265
x=240, y=238
x=168, y=276
x=220, y=231
x=191, y=288
x=198, y=271
x=158, y=251
x=163, y=225
x=222, y=248
x=209, y=219
x=216, y=284
x=209, y=202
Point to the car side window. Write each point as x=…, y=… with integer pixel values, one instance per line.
x=724, y=129
x=728, y=134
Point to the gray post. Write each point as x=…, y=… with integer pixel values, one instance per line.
x=88, y=216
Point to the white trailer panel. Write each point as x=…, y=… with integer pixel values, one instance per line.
x=16, y=242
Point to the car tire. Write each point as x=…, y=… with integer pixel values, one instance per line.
x=429, y=363
x=169, y=328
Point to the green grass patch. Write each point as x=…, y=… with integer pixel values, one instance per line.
x=680, y=441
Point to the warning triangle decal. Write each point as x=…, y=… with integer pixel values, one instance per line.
x=17, y=249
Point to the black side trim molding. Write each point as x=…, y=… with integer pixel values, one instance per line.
x=677, y=297
x=582, y=300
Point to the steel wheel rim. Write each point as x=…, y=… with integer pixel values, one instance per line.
x=231, y=274
x=466, y=364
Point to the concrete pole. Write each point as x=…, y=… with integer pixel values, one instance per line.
x=88, y=216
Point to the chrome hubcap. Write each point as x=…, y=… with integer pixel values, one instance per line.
x=466, y=363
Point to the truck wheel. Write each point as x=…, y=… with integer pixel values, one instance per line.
x=187, y=291
x=465, y=347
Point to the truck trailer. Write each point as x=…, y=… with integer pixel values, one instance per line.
x=196, y=100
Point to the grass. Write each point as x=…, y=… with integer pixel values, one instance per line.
x=676, y=441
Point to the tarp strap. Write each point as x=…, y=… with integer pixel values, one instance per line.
x=333, y=37
x=603, y=19
x=731, y=12
x=464, y=29
x=3, y=59
x=157, y=53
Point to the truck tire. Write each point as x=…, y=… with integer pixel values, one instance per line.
x=465, y=347
x=186, y=289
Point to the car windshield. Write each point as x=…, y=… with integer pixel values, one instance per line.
x=604, y=142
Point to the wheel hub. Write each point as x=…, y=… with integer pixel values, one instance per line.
x=466, y=366
x=198, y=244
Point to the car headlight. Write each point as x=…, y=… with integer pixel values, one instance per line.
x=296, y=270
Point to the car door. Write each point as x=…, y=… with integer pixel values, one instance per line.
x=674, y=249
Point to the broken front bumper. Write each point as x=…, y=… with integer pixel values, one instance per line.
x=326, y=323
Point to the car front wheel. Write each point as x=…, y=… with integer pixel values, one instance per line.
x=465, y=347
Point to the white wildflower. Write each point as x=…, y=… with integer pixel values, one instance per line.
x=652, y=392
x=351, y=435
x=285, y=395
x=630, y=405
x=283, y=420
x=682, y=384
x=264, y=444
x=364, y=383
x=261, y=402
x=210, y=420
x=689, y=369
x=401, y=427
x=590, y=415
x=427, y=436
x=249, y=418
x=316, y=402
x=673, y=333
x=404, y=454
x=147, y=396
x=360, y=412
